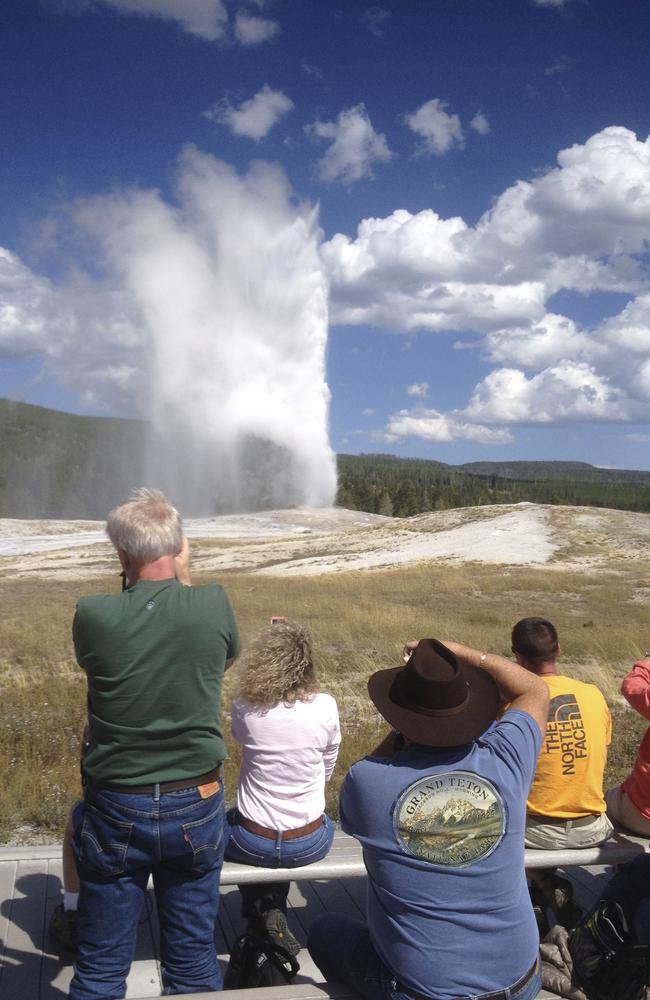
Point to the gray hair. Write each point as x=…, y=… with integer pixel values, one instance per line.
x=147, y=526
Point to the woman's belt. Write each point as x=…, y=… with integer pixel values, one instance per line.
x=264, y=831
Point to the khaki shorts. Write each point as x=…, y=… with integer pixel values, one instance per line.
x=620, y=808
x=553, y=834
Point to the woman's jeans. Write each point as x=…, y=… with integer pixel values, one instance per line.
x=250, y=849
x=119, y=840
x=341, y=948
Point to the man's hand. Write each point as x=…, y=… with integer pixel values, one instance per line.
x=409, y=647
x=182, y=564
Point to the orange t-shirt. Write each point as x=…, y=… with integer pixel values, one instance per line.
x=568, y=780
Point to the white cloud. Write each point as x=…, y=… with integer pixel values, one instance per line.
x=581, y=226
x=542, y=343
x=206, y=18
x=480, y=124
x=567, y=391
x=433, y=426
x=420, y=389
x=355, y=146
x=376, y=18
x=368, y=412
x=251, y=30
x=315, y=72
x=86, y=336
x=439, y=130
x=255, y=117
x=638, y=438
x=556, y=68
x=557, y=4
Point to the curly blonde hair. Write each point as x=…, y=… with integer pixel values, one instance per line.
x=277, y=667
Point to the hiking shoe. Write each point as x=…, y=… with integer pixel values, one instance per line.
x=559, y=895
x=277, y=929
x=64, y=927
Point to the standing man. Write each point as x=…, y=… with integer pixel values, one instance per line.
x=154, y=657
x=566, y=806
x=440, y=810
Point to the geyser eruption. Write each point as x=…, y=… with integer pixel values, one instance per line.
x=231, y=296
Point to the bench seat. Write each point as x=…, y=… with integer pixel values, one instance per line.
x=345, y=859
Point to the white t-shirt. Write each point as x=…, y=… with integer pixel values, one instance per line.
x=288, y=753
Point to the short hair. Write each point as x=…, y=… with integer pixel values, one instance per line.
x=277, y=667
x=535, y=639
x=147, y=526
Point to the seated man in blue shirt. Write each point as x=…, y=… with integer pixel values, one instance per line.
x=440, y=810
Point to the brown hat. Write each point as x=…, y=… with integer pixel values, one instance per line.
x=436, y=699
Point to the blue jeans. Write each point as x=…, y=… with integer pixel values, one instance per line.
x=251, y=849
x=341, y=948
x=119, y=840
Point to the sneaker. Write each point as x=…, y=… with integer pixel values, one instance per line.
x=277, y=929
x=64, y=928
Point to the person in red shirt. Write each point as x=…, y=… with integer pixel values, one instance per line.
x=629, y=803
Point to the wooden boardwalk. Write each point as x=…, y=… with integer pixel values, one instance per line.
x=32, y=968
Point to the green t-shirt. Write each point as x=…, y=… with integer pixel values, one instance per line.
x=154, y=657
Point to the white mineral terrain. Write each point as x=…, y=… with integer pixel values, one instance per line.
x=305, y=541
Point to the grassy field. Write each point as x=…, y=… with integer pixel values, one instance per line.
x=359, y=622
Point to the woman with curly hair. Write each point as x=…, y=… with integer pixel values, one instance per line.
x=289, y=734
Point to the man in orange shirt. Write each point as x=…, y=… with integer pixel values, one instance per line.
x=566, y=806
x=629, y=803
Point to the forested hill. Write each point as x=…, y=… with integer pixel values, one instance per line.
x=55, y=464
x=401, y=487
x=575, y=471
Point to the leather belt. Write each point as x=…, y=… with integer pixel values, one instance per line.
x=264, y=831
x=181, y=784
x=499, y=995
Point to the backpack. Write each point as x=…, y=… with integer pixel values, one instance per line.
x=256, y=961
x=606, y=961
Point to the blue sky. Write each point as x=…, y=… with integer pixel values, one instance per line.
x=481, y=173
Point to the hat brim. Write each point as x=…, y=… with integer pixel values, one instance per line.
x=480, y=710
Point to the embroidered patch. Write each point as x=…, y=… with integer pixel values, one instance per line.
x=451, y=819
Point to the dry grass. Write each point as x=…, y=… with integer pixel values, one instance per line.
x=359, y=622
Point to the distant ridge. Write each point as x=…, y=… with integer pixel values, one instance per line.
x=55, y=464
x=575, y=471
x=59, y=465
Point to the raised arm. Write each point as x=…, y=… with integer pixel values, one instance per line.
x=636, y=687
x=524, y=690
x=182, y=564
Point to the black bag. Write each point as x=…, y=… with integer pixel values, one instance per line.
x=256, y=961
x=606, y=961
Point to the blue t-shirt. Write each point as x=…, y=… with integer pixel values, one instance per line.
x=443, y=841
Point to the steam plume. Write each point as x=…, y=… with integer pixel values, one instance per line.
x=231, y=297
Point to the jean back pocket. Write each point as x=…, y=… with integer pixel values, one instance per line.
x=102, y=842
